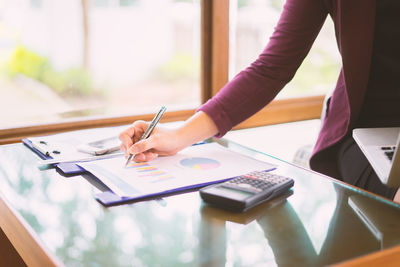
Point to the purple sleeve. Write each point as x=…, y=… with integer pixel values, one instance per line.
x=254, y=87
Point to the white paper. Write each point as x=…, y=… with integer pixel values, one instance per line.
x=194, y=165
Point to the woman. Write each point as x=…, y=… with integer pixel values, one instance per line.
x=368, y=37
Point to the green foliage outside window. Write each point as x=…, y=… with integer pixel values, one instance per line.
x=72, y=81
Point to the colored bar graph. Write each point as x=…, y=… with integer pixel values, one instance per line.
x=146, y=171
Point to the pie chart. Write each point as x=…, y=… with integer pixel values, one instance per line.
x=200, y=163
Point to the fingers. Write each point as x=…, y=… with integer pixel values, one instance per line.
x=146, y=156
x=131, y=135
x=126, y=142
x=122, y=147
x=141, y=146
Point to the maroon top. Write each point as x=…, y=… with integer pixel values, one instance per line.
x=298, y=26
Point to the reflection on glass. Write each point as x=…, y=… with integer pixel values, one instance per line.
x=275, y=235
x=82, y=57
x=319, y=224
x=252, y=23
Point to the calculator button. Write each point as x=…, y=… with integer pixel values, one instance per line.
x=257, y=181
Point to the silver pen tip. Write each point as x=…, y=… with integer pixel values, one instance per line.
x=129, y=159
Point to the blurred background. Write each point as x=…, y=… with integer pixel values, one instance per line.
x=67, y=58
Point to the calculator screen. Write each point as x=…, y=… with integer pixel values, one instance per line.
x=236, y=194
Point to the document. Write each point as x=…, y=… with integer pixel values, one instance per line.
x=195, y=165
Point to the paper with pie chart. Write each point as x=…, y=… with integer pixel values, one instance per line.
x=195, y=165
x=198, y=163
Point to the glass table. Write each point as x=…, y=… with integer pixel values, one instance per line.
x=53, y=219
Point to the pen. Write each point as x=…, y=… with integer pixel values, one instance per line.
x=149, y=129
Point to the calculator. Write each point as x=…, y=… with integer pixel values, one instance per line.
x=246, y=191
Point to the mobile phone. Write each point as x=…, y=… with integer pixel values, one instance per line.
x=100, y=147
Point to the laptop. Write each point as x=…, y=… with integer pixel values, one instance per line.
x=381, y=148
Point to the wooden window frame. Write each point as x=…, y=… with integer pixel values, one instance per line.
x=214, y=75
x=278, y=111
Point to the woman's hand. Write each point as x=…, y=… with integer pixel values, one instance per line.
x=162, y=142
x=165, y=141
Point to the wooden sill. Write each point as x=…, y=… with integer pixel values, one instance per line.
x=279, y=111
x=286, y=110
x=388, y=258
x=14, y=135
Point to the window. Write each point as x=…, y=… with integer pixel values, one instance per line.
x=252, y=23
x=82, y=58
x=73, y=64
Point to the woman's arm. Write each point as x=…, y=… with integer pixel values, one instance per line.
x=247, y=93
x=254, y=87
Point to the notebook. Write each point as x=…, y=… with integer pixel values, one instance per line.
x=380, y=146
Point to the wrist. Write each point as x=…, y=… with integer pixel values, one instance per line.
x=197, y=128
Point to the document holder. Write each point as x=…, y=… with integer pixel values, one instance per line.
x=66, y=168
x=109, y=198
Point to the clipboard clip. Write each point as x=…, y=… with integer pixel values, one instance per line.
x=45, y=148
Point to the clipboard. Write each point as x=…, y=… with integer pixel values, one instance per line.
x=62, y=149
x=186, y=171
x=109, y=198
x=66, y=168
